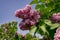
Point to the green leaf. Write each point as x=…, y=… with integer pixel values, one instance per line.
x=48, y=22
x=43, y=9
x=33, y=29
x=28, y=36
x=53, y=26
x=43, y=28
x=37, y=6
x=34, y=2
x=45, y=1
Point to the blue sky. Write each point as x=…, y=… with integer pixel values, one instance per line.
x=7, y=9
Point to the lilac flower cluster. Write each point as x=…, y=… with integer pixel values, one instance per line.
x=30, y=17
x=56, y=17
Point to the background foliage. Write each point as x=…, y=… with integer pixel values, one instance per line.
x=46, y=9
x=8, y=31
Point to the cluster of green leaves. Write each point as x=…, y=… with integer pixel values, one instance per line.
x=45, y=25
x=8, y=31
x=30, y=37
x=47, y=7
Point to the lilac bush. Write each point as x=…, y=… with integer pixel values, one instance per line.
x=44, y=20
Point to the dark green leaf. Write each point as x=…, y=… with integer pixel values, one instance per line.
x=43, y=28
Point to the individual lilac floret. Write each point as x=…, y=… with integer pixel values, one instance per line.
x=55, y=17
x=27, y=9
x=57, y=34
